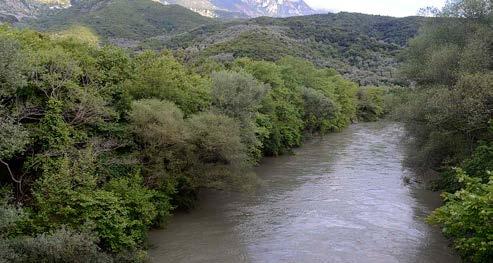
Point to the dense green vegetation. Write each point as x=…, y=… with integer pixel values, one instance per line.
x=449, y=117
x=363, y=48
x=97, y=145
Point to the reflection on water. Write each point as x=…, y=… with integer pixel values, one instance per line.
x=341, y=198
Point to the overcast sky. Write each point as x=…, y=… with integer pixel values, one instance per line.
x=398, y=8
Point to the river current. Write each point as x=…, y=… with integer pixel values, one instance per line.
x=339, y=198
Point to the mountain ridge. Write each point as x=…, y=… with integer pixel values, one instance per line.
x=361, y=47
x=249, y=8
x=16, y=10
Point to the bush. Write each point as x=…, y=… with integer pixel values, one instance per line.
x=160, y=76
x=216, y=143
x=60, y=246
x=239, y=95
x=370, y=103
x=466, y=217
x=319, y=111
x=67, y=194
x=281, y=119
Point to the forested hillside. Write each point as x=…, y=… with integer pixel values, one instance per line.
x=361, y=47
x=123, y=22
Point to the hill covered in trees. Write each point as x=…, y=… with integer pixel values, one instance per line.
x=361, y=47
x=122, y=22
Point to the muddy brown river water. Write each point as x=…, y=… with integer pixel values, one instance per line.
x=340, y=198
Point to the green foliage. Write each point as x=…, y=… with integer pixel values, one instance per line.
x=239, y=95
x=479, y=162
x=123, y=19
x=62, y=245
x=13, y=138
x=301, y=73
x=279, y=121
x=10, y=215
x=451, y=62
x=361, y=47
x=103, y=144
x=466, y=217
x=319, y=110
x=80, y=33
x=371, y=105
x=65, y=195
x=302, y=98
x=160, y=76
x=160, y=130
x=216, y=140
x=449, y=114
x=54, y=133
x=204, y=150
x=11, y=67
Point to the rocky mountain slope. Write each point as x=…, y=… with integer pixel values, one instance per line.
x=15, y=10
x=245, y=8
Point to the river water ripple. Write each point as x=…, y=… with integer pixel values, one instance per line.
x=340, y=198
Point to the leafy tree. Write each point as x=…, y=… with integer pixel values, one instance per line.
x=466, y=217
x=319, y=110
x=371, y=105
x=160, y=76
x=217, y=144
x=62, y=245
x=11, y=68
x=239, y=95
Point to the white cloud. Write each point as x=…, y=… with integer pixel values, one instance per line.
x=397, y=8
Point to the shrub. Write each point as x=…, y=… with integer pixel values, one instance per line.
x=238, y=95
x=370, y=103
x=160, y=76
x=216, y=143
x=467, y=217
x=60, y=246
x=319, y=111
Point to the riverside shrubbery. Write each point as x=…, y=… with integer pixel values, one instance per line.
x=449, y=115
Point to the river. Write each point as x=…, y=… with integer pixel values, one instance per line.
x=340, y=198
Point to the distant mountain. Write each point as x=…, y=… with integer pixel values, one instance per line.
x=15, y=10
x=245, y=8
x=362, y=47
x=122, y=22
